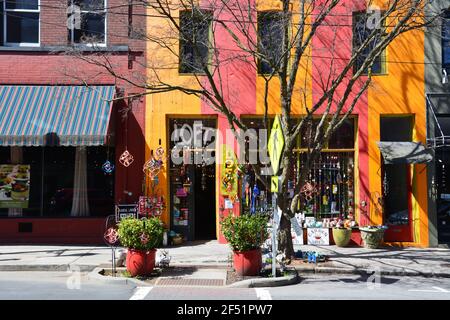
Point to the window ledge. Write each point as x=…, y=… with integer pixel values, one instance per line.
x=120, y=48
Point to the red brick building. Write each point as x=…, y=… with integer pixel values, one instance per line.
x=54, y=112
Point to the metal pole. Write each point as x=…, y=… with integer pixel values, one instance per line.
x=274, y=237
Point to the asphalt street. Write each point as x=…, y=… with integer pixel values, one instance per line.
x=67, y=286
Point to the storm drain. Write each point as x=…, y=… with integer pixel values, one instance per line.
x=189, y=282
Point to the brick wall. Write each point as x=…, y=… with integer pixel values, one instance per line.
x=54, y=23
x=40, y=66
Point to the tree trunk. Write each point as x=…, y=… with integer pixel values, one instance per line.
x=285, y=239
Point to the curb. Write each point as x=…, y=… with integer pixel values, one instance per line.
x=269, y=282
x=364, y=271
x=47, y=267
x=95, y=275
x=201, y=265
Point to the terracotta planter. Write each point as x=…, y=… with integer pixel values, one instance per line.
x=342, y=236
x=372, y=238
x=140, y=262
x=247, y=263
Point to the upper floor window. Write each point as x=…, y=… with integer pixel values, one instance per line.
x=87, y=22
x=270, y=44
x=362, y=30
x=194, y=40
x=446, y=41
x=20, y=22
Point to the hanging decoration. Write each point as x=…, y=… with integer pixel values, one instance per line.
x=126, y=158
x=108, y=167
x=309, y=190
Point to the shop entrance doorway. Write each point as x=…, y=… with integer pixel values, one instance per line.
x=192, y=178
x=443, y=194
x=396, y=182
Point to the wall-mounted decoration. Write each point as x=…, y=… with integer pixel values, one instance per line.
x=229, y=181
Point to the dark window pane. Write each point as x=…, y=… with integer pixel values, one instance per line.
x=22, y=28
x=32, y=156
x=444, y=123
x=92, y=29
x=22, y=4
x=90, y=5
x=360, y=33
x=344, y=136
x=194, y=40
x=270, y=35
x=396, y=129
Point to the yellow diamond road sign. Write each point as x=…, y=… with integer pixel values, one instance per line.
x=276, y=144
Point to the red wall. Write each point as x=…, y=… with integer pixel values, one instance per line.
x=53, y=231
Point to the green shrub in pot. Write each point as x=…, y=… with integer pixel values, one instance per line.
x=141, y=234
x=245, y=232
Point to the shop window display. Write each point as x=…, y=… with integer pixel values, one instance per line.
x=51, y=180
x=328, y=192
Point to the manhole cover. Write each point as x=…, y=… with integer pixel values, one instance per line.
x=189, y=282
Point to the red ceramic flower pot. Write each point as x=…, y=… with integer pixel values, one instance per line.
x=140, y=262
x=247, y=263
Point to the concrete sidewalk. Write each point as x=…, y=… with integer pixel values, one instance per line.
x=86, y=258
x=389, y=260
x=211, y=254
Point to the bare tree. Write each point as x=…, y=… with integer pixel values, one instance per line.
x=280, y=51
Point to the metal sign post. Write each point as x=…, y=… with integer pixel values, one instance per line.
x=275, y=149
x=274, y=235
x=276, y=218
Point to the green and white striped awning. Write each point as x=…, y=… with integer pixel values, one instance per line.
x=55, y=115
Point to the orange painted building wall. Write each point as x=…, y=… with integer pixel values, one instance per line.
x=399, y=91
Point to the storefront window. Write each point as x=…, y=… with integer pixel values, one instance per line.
x=330, y=178
x=51, y=181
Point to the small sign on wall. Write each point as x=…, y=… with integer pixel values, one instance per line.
x=319, y=236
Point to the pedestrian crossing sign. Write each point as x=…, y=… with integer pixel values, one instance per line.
x=276, y=144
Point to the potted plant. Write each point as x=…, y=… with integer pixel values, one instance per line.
x=141, y=237
x=342, y=233
x=246, y=234
x=372, y=236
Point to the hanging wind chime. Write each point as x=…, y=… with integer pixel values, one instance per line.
x=126, y=158
x=107, y=167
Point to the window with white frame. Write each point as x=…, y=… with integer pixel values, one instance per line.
x=20, y=22
x=87, y=21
